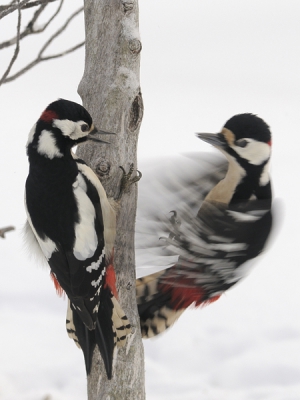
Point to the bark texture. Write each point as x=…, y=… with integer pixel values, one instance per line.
x=110, y=91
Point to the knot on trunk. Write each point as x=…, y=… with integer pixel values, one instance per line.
x=102, y=168
x=136, y=112
x=135, y=46
x=127, y=5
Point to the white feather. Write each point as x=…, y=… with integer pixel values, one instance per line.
x=47, y=145
x=85, y=235
x=109, y=216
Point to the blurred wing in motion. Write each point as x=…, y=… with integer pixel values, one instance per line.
x=199, y=249
x=176, y=183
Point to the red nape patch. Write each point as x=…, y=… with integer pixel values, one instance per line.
x=58, y=288
x=110, y=279
x=270, y=142
x=48, y=116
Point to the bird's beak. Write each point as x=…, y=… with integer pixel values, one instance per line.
x=95, y=131
x=215, y=139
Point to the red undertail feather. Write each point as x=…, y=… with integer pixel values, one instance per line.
x=184, y=294
x=58, y=288
x=110, y=279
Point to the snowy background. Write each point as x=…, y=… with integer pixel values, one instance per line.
x=202, y=62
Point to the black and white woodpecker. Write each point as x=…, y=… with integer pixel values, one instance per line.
x=72, y=223
x=212, y=244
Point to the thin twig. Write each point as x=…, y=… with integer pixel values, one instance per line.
x=8, y=9
x=38, y=3
x=17, y=48
x=12, y=7
x=59, y=31
x=40, y=56
x=41, y=59
x=6, y=229
x=30, y=30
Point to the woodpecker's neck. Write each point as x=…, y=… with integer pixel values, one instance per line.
x=48, y=142
x=48, y=170
x=224, y=190
x=242, y=183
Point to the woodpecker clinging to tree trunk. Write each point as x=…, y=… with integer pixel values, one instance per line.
x=71, y=221
x=206, y=249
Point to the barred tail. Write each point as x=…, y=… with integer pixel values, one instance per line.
x=162, y=298
x=154, y=306
x=111, y=330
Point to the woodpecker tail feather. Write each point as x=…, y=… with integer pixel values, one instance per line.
x=83, y=338
x=155, y=305
x=163, y=296
x=112, y=328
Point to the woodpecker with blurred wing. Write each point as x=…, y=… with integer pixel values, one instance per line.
x=207, y=250
x=72, y=222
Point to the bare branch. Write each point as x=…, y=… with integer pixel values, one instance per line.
x=40, y=59
x=38, y=3
x=8, y=9
x=17, y=49
x=40, y=56
x=12, y=7
x=4, y=230
x=29, y=30
x=59, y=31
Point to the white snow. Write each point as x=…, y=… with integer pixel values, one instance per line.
x=202, y=62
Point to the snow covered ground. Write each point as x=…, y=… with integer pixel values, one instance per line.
x=201, y=63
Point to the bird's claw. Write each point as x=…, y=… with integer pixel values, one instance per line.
x=127, y=180
x=174, y=223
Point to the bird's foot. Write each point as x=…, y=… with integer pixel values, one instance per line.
x=127, y=180
x=174, y=223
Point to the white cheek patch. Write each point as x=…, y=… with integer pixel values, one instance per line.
x=85, y=235
x=255, y=152
x=47, y=145
x=70, y=128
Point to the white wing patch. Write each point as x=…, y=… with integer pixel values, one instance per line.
x=109, y=216
x=243, y=217
x=98, y=281
x=85, y=235
x=96, y=264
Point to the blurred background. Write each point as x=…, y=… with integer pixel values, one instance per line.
x=202, y=62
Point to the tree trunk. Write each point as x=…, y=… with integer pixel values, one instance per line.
x=110, y=91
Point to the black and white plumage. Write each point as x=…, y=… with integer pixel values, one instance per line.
x=218, y=221
x=71, y=221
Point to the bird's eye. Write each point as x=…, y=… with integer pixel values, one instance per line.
x=84, y=128
x=241, y=142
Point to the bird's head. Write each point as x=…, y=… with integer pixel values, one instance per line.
x=245, y=137
x=62, y=125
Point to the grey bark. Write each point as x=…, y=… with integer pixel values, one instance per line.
x=110, y=91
